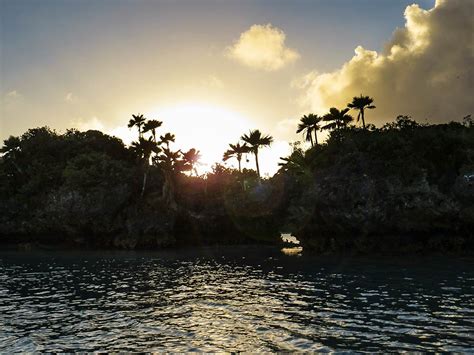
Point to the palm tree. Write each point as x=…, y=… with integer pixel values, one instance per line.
x=337, y=119
x=143, y=149
x=11, y=148
x=309, y=124
x=255, y=140
x=191, y=159
x=361, y=103
x=237, y=151
x=167, y=139
x=11, y=145
x=170, y=163
x=137, y=121
x=151, y=126
x=298, y=162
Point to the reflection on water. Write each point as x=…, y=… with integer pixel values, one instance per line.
x=292, y=251
x=287, y=237
x=232, y=299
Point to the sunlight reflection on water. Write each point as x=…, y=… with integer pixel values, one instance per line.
x=231, y=299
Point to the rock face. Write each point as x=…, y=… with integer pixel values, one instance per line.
x=114, y=218
x=347, y=211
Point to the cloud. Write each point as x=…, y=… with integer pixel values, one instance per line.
x=12, y=94
x=262, y=47
x=11, y=99
x=94, y=123
x=70, y=97
x=425, y=70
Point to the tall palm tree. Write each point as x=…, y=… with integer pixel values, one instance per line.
x=255, y=140
x=143, y=149
x=151, y=126
x=337, y=119
x=191, y=159
x=309, y=124
x=137, y=121
x=237, y=151
x=167, y=139
x=361, y=103
x=170, y=163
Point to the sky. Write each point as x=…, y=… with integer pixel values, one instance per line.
x=212, y=70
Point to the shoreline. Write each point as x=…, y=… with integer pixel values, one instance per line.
x=345, y=253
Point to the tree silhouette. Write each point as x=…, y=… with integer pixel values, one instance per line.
x=298, y=163
x=309, y=124
x=167, y=139
x=361, y=103
x=337, y=119
x=143, y=150
x=191, y=159
x=151, y=126
x=237, y=151
x=11, y=148
x=255, y=140
x=137, y=121
x=170, y=163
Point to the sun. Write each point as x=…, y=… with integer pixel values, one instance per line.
x=208, y=128
x=205, y=127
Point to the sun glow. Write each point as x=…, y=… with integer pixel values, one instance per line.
x=207, y=128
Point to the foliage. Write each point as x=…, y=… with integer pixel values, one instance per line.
x=337, y=119
x=361, y=103
x=256, y=140
x=353, y=190
x=309, y=124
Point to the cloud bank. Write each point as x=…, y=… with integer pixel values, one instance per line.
x=425, y=70
x=262, y=47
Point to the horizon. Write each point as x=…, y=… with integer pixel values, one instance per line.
x=212, y=73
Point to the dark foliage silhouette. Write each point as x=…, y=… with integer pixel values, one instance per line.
x=256, y=140
x=403, y=187
x=309, y=124
x=361, y=103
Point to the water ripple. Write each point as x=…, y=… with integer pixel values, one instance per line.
x=215, y=300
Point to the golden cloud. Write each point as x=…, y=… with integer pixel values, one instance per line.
x=425, y=69
x=262, y=47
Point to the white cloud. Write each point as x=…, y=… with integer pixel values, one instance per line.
x=70, y=97
x=425, y=70
x=12, y=94
x=262, y=47
x=93, y=123
x=11, y=99
x=122, y=132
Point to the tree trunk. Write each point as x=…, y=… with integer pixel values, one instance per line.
x=258, y=168
x=311, y=139
x=168, y=191
x=316, y=137
x=239, y=159
x=144, y=183
x=363, y=119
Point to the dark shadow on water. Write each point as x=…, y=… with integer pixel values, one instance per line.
x=252, y=298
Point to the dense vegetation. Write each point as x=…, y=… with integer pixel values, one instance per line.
x=88, y=188
x=401, y=187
